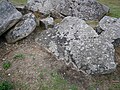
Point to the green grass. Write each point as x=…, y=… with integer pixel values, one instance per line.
x=92, y=87
x=5, y=85
x=55, y=82
x=19, y=56
x=73, y=87
x=58, y=20
x=114, y=7
x=92, y=23
x=19, y=2
x=115, y=86
x=6, y=65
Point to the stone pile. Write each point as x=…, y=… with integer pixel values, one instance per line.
x=72, y=40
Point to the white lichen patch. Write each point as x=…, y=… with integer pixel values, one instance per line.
x=75, y=42
x=53, y=48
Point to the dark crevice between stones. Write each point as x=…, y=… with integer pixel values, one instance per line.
x=42, y=25
x=116, y=42
x=22, y=9
x=98, y=30
x=2, y=37
x=73, y=61
x=63, y=15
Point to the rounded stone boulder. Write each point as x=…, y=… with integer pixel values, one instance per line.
x=23, y=28
x=9, y=16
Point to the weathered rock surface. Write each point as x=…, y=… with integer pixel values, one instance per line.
x=111, y=27
x=43, y=6
x=77, y=43
x=48, y=22
x=9, y=16
x=84, y=9
x=22, y=29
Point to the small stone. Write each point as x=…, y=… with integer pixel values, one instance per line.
x=9, y=74
x=3, y=59
x=48, y=22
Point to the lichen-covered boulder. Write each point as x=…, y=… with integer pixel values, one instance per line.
x=111, y=28
x=23, y=28
x=76, y=42
x=43, y=6
x=84, y=9
x=9, y=16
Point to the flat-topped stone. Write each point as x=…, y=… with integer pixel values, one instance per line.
x=76, y=42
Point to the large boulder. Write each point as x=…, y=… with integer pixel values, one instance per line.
x=9, y=16
x=110, y=27
x=76, y=42
x=23, y=28
x=85, y=9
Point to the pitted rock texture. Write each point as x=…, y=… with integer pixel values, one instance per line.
x=43, y=6
x=23, y=28
x=9, y=16
x=111, y=29
x=76, y=42
x=84, y=9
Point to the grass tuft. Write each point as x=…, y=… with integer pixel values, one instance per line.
x=114, y=6
x=6, y=65
x=19, y=56
x=19, y=2
x=5, y=85
x=115, y=86
x=55, y=82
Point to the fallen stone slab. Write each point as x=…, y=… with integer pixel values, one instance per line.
x=76, y=42
x=9, y=16
x=23, y=28
x=110, y=27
